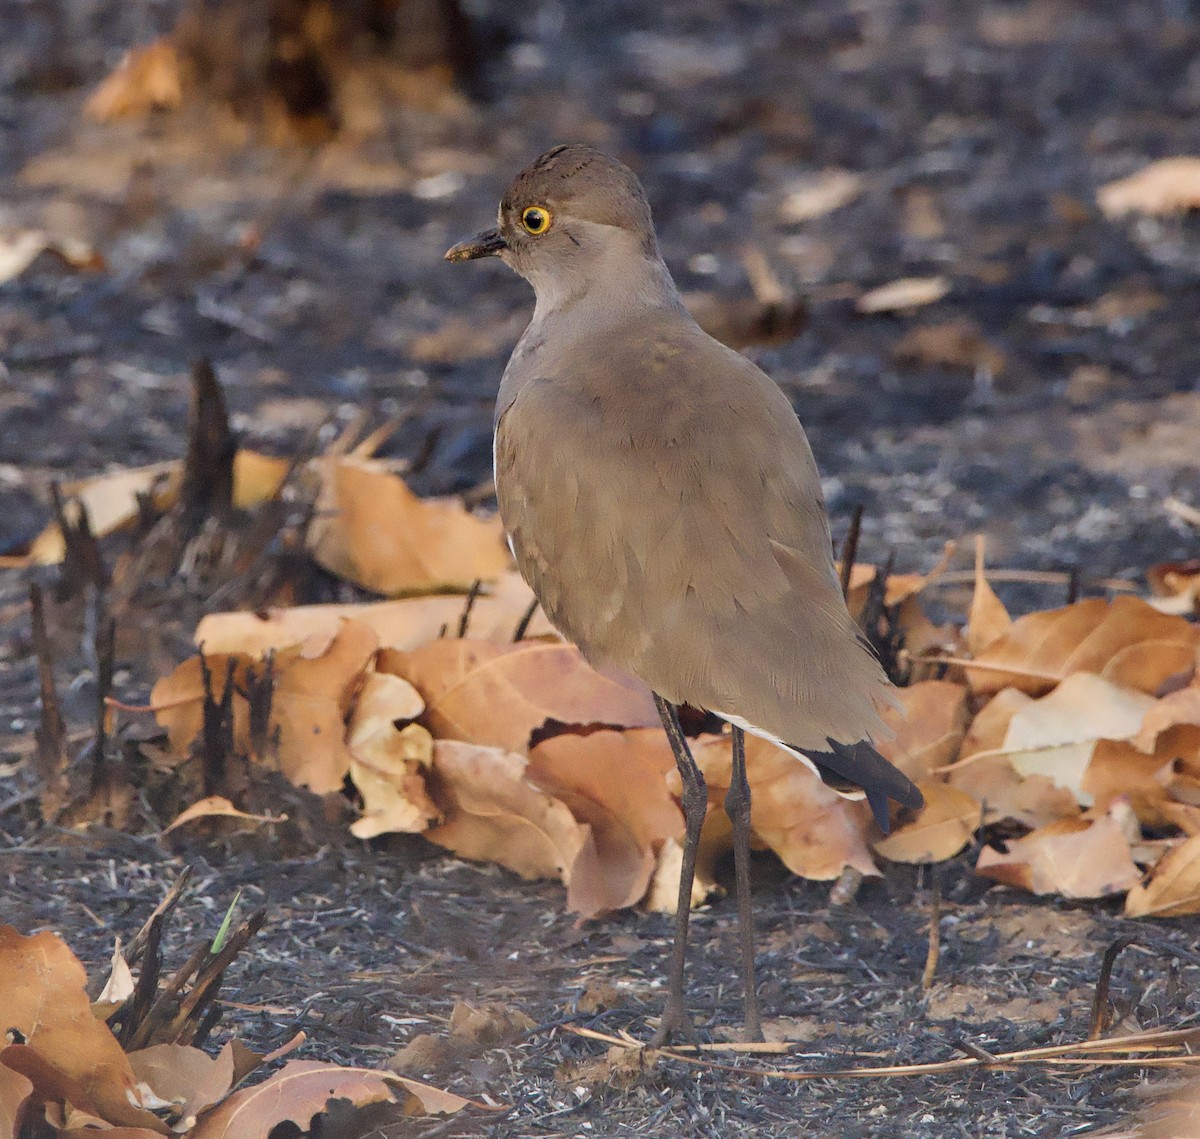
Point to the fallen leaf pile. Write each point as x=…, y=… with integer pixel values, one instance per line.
x=63, y=1070
x=1071, y=736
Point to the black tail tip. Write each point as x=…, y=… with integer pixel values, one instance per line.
x=909, y=797
x=860, y=765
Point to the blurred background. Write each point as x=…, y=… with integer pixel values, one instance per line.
x=272, y=184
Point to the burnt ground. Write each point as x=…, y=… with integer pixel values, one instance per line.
x=1061, y=419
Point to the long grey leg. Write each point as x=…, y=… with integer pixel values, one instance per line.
x=695, y=803
x=737, y=807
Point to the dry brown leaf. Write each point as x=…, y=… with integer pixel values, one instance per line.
x=985, y=772
x=111, y=499
x=1033, y=801
x=1168, y=186
x=1180, y=707
x=898, y=588
x=987, y=620
x=493, y=814
x=147, y=79
x=405, y=624
x=496, y=694
x=616, y=782
x=1170, y=1110
x=311, y=699
x=929, y=727
x=186, y=1077
x=1152, y=666
x=388, y=761
x=304, y=1087
x=1118, y=770
x=662, y=895
x=68, y=1054
x=815, y=832
x=990, y=725
x=178, y=700
x=1185, y=817
x=1172, y=888
x=1040, y=649
x=371, y=529
x=315, y=685
x=946, y=823
x=1074, y=858
x=1176, y=587
x=20, y=248
x=15, y=1093
x=118, y=988
x=957, y=343
x=905, y=293
x=1057, y=734
x=218, y=807
x=820, y=194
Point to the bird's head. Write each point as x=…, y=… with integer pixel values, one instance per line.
x=571, y=216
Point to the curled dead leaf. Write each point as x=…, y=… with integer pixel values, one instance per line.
x=905, y=293
x=616, y=783
x=1168, y=186
x=111, y=500
x=1176, y=587
x=814, y=831
x=929, y=727
x=404, y=624
x=1172, y=889
x=20, y=248
x=662, y=895
x=314, y=688
x=987, y=620
x=184, y=1077
x=304, y=1087
x=820, y=194
x=493, y=814
x=389, y=758
x=946, y=823
x=147, y=78
x=371, y=529
x=218, y=807
x=68, y=1054
x=1057, y=735
x=1074, y=858
x=1042, y=648
x=118, y=988
x=497, y=695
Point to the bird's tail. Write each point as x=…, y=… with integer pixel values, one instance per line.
x=852, y=766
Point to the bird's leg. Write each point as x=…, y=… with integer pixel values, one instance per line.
x=737, y=807
x=695, y=803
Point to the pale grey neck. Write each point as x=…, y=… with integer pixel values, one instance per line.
x=620, y=279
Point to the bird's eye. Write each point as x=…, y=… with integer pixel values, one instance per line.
x=535, y=219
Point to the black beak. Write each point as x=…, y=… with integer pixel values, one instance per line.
x=486, y=244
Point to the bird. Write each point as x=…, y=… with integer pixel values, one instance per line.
x=661, y=499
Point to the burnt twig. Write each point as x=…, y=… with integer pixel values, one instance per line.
x=51, y=734
x=850, y=548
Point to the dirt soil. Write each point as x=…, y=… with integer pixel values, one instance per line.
x=1050, y=400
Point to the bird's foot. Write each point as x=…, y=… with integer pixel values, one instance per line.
x=674, y=1022
x=752, y=1029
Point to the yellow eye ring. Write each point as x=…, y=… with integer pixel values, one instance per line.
x=536, y=219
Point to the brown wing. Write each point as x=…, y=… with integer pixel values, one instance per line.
x=664, y=505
